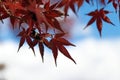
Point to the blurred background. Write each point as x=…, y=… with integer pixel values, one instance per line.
x=97, y=58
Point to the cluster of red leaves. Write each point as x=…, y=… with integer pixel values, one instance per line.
x=42, y=16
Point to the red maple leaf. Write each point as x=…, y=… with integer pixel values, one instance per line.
x=70, y=4
x=58, y=43
x=51, y=13
x=25, y=36
x=98, y=16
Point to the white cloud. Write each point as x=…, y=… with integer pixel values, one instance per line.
x=78, y=26
x=78, y=30
x=96, y=60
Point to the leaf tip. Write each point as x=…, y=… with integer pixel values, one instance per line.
x=55, y=63
x=75, y=62
x=42, y=60
x=18, y=50
x=100, y=33
x=85, y=27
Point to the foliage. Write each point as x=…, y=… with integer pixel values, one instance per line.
x=42, y=16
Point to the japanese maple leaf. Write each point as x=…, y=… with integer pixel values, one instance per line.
x=51, y=13
x=98, y=16
x=58, y=43
x=70, y=4
x=25, y=37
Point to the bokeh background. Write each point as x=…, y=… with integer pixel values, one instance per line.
x=97, y=58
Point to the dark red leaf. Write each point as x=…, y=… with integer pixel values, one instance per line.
x=59, y=35
x=66, y=9
x=29, y=42
x=35, y=42
x=46, y=27
x=54, y=13
x=54, y=50
x=106, y=19
x=64, y=42
x=55, y=5
x=93, y=13
x=50, y=21
x=98, y=16
x=45, y=35
x=14, y=6
x=22, y=32
x=106, y=12
x=80, y=2
x=99, y=25
x=64, y=51
x=57, y=25
x=54, y=23
x=4, y=16
x=47, y=43
x=115, y=5
x=62, y=3
x=41, y=49
x=47, y=5
x=92, y=20
x=72, y=7
x=13, y=20
x=70, y=4
x=22, y=40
